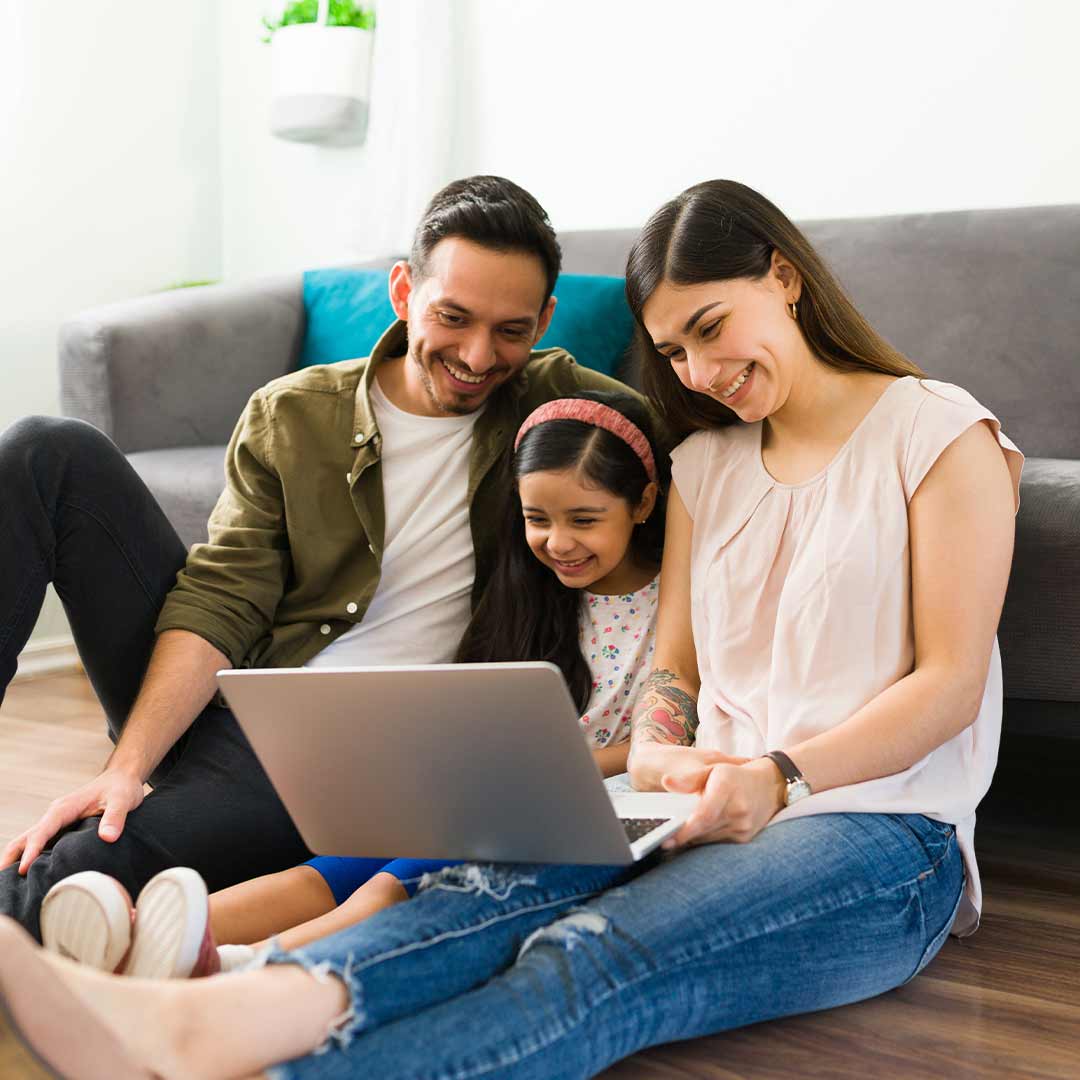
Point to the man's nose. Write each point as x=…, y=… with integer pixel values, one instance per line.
x=478, y=354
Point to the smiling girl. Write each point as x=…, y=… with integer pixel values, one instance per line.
x=577, y=582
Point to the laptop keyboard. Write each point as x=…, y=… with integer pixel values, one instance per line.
x=637, y=827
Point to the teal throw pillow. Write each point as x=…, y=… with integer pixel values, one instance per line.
x=591, y=321
x=348, y=311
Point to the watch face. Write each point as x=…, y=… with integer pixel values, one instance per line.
x=796, y=790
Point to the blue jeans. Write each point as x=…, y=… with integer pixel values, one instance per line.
x=552, y=972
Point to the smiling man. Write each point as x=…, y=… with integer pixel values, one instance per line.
x=355, y=527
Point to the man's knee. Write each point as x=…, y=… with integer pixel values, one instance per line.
x=24, y=441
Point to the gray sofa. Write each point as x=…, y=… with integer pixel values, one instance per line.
x=988, y=299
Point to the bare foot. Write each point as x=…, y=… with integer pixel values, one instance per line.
x=45, y=1016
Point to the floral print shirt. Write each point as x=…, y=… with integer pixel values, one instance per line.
x=618, y=635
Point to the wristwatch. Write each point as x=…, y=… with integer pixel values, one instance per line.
x=797, y=787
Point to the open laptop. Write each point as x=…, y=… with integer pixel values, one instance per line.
x=482, y=762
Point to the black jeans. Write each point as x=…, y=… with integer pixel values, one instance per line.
x=74, y=512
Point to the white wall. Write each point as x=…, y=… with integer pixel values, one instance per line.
x=839, y=108
x=289, y=206
x=109, y=172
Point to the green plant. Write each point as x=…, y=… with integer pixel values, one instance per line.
x=342, y=13
x=188, y=285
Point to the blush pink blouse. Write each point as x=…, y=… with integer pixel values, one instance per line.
x=801, y=602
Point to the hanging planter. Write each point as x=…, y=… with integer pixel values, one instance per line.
x=320, y=72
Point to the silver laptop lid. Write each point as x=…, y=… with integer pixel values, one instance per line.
x=454, y=761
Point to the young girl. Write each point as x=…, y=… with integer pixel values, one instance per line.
x=576, y=583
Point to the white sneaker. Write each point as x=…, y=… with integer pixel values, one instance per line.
x=172, y=938
x=88, y=917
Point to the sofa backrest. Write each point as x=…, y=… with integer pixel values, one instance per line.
x=988, y=299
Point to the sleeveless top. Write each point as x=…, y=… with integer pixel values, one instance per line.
x=801, y=602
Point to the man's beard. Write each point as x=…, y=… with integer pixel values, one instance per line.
x=428, y=383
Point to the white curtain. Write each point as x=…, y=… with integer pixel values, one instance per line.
x=409, y=153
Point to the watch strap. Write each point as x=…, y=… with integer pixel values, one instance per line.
x=785, y=765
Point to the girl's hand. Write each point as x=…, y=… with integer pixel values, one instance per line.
x=735, y=802
x=651, y=763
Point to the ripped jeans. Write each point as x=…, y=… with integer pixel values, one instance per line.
x=547, y=972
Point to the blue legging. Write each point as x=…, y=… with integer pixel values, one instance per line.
x=345, y=876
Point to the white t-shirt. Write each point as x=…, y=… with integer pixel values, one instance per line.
x=423, y=601
x=618, y=635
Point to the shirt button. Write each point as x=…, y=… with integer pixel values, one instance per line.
x=359, y=438
x=324, y=629
x=351, y=608
x=348, y=478
x=371, y=548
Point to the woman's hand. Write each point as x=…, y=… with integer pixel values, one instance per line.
x=651, y=763
x=735, y=801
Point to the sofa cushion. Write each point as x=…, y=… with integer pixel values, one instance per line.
x=186, y=481
x=348, y=309
x=1040, y=624
x=592, y=321
x=347, y=312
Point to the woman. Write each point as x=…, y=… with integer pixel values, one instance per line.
x=838, y=545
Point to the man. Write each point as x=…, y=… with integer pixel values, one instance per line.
x=355, y=526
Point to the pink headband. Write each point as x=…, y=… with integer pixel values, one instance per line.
x=601, y=416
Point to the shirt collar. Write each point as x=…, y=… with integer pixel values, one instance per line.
x=394, y=342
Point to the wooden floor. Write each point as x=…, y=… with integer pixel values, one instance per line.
x=1004, y=1004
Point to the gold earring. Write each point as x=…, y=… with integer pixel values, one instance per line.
x=794, y=311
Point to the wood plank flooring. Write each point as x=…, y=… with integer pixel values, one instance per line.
x=1003, y=1005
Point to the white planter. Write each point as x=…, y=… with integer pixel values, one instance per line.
x=319, y=77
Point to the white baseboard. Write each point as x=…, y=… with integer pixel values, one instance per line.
x=47, y=656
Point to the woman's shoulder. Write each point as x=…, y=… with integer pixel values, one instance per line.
x=711, y=441
x=939, y=413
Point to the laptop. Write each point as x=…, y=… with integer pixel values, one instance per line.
x=482, y=762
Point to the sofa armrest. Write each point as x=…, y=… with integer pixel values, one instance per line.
x=1040, y=625
x=176, y=368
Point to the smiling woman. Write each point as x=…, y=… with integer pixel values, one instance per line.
x=724, y=294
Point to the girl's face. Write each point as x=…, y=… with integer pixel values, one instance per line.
x=734, y=341
x=582, y=533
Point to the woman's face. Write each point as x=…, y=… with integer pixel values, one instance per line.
x=580, y=533
x=734, y=341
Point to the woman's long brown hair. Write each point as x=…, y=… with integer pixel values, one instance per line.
x=720, y=230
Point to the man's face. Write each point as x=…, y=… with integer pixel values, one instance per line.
x=473, y=319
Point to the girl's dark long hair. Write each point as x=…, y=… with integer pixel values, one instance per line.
x=526, y=613
x=721, y=230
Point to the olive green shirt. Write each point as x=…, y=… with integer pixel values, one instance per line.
x=296, y=538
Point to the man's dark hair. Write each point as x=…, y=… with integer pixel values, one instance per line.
x=493, y=212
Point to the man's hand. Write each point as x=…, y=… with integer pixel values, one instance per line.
x=115, y=793
x=736, y=801
x=651, y=763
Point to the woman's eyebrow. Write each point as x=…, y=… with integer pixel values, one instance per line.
x=689, y=325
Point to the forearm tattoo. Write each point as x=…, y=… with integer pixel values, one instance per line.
x=665, y=713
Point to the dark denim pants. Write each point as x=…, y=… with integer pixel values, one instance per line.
x=74, y=512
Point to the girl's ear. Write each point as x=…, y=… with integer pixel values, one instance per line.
x=647, y=504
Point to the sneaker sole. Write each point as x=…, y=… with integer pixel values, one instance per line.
x=87, y=918
x=170, y=922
